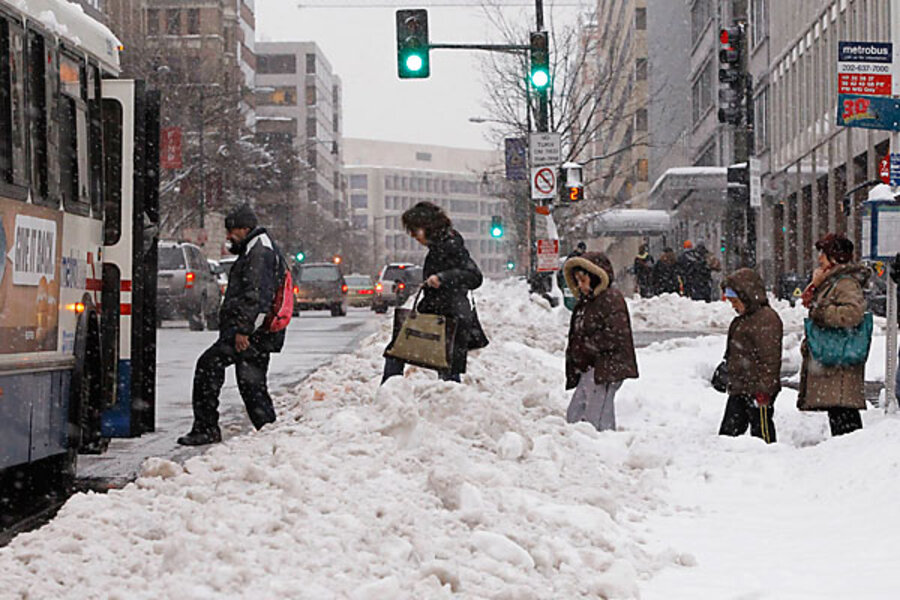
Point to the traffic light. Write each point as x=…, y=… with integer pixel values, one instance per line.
x=738, y=178
x=722, y=244
x=496, y=227
x=337, y=259
x=300, y=256
x=412, y=44
x=732, y=78
x=540, y=60
x=573, y=189
x=510, y=265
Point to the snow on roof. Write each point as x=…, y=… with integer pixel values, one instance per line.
x=629, y=221
x=69, y=21
x=881, y=192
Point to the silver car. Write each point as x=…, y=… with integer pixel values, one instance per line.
x=187, y=286
x=396, y=283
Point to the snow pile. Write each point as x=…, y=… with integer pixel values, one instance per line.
x=671, y=312
x=422, y=489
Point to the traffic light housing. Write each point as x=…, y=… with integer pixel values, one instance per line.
x=412, y=44
x=732, y=78
x=738, y=178
x=540, y=60
x=510, y=265
x=573, y=188
x=496, y=227
x=300, y=256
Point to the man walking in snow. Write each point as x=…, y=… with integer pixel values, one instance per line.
x=242, y=341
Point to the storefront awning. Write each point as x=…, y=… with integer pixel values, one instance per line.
x=629, y=222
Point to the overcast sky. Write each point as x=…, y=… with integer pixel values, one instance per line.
x=358, y=38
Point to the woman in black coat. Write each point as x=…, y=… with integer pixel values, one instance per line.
x=449, y=274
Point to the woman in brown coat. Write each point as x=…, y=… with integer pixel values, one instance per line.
x=753, y=357
x=835, y=299
x=600, y=353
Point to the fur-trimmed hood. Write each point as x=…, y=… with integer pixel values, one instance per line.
x=592, y=262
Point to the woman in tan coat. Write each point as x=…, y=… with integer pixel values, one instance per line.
x=835, y=299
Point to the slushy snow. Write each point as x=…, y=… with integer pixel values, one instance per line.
x=424, y=489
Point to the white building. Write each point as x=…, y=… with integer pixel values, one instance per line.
x=386, y=178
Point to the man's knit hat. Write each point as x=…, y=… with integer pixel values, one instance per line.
x=242, y=216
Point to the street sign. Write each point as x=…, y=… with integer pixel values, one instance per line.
x=547, y=256
x=543, y=183
x=868, y=112
x=755, y=183
x=895, y=169
x=516, y=164
x=884, y=169
x=544, y=147
x=865, y=68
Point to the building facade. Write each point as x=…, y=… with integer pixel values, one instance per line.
x=386, y=178
x=299, y=90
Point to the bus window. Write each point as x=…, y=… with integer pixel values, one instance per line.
x=112, y=153
x=6, y=145
x=73, y=136
x=17, y=103
x=37, y=114
x=95, y=141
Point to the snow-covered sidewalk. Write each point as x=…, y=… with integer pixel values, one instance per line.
x=423, y=489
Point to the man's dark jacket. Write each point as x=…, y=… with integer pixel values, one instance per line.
x=252, y=283
x=448, y=259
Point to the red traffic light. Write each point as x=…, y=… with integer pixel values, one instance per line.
x=723, y=36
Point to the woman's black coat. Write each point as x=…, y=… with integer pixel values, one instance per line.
x=448, y=259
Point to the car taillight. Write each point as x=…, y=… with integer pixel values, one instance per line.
x=344, y=288
x=378, y=287
x=189, y=279
x=296, y=289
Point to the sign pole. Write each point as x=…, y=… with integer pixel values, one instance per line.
x=890, y=341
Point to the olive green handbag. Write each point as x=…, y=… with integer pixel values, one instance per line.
x=423, y=339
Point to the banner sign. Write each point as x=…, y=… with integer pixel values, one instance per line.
x=516, y=158
x=170, y=148
x=868, y=112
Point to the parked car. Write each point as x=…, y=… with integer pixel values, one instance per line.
x=360, y=290
x=186, y=286
x=395, y=284
x=319, y=286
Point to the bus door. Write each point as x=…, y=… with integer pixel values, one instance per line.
x=131, y=150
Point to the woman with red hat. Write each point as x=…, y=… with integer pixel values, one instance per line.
x=835, y=300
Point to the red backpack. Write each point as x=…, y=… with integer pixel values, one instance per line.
x=283, y=304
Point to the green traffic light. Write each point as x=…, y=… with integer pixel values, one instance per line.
x=300, y=256
x=510, y=265
x=540, y=78
x=414, y=63
x=496, y=231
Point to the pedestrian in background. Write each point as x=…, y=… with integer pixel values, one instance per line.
x=242, y=342
x=695, y=272
x=643, y=272
x=835, y=300
x=665, y=273
x=449, y=274
x=600, y=351
x=752, y=357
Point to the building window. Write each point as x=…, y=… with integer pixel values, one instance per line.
x=423, y=156
x=311, y=127
x=280, y=96
x=173, y=21
x=274, y=64
x=193, y=21
x=310, y=63
x=640, y=119
x=760, y=120
x=310, y=95
x=643, y=170
x=152, y=22
x=335, y=122
x=640, y=69
x=359, y=201
x=360, y=221
x=701, y=13
x=701, y=93
x=759, y=21
x=640, y=19
x=707, y=158
x=359, y=182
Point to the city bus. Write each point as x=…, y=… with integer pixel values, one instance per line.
x=78, y=214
